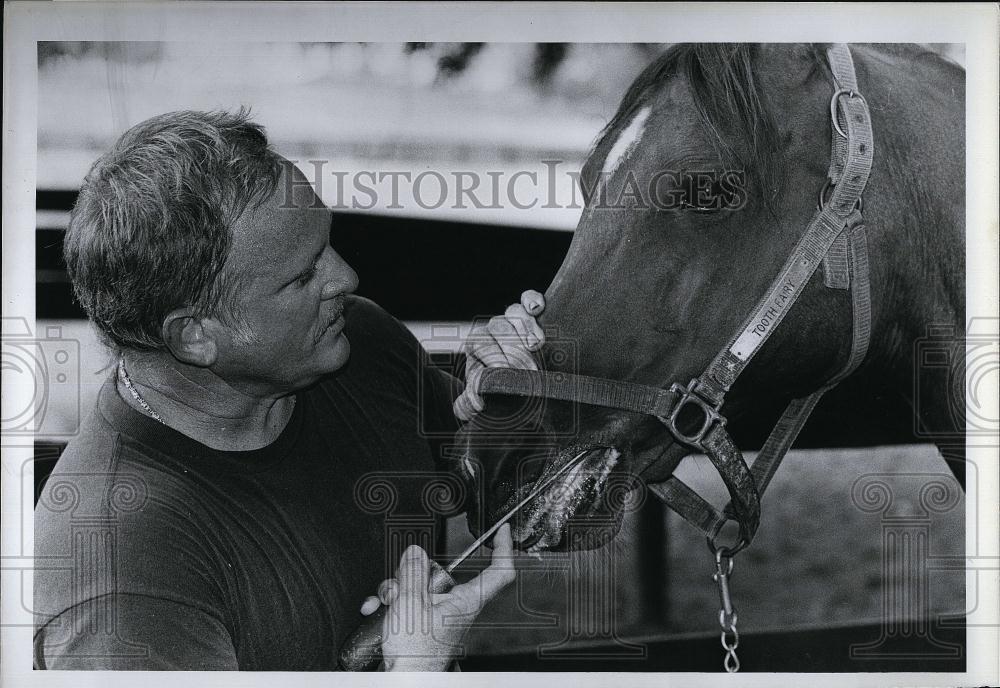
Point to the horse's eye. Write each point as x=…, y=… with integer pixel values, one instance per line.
x=711, y=205
x=704, y=195
x=716, y=197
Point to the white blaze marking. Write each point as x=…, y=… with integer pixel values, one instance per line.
x=626, y=143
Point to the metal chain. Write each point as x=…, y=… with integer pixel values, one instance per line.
x=127, y=381
x=727, y=614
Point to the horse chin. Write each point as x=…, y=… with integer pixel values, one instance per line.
x=581, y=510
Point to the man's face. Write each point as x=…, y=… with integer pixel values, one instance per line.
x=290, y=294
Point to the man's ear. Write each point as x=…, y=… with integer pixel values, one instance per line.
x=188, y=339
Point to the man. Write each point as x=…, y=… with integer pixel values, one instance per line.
x=208, y=516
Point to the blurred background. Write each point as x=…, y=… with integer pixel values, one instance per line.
x=526, y=114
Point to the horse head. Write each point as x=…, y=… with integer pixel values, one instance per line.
x=696, y=192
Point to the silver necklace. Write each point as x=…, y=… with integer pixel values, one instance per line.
x=127, y=381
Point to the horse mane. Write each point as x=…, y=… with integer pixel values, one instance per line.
x=728, y=99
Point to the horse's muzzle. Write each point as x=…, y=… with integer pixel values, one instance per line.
x=581, y=510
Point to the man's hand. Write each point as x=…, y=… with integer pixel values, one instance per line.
x=506, y=341
x=423, y=630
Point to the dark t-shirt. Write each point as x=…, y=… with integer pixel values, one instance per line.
x=154, y=551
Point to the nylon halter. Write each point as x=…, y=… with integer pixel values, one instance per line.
x=835, y=237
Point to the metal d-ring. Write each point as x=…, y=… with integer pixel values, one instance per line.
x=710, y=414
x=835, y=100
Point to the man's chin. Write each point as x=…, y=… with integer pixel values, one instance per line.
x=335, y=352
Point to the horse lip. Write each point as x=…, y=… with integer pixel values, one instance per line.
x=542, y=522
x=517, y=495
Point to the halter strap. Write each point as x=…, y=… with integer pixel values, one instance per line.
x=835, y=237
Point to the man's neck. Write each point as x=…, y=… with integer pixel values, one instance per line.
x=198, y=403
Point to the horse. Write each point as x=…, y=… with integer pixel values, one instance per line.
x=697, y=191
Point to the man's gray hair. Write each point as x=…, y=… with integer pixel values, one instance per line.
x=153, y=224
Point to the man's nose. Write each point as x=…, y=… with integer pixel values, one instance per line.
x=343, y=279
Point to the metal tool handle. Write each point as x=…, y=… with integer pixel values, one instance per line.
x=362, y=651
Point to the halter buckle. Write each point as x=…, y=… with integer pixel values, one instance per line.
x=835, y=106
x=689, y=396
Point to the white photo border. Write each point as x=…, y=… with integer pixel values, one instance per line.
x=26, y=23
